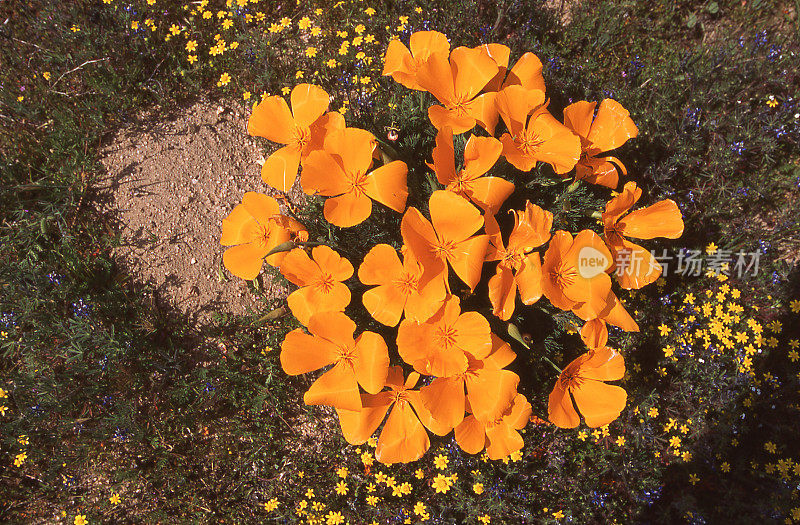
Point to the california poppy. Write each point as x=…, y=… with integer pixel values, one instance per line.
x=485, y=385
x=534, y=135
x=302, y=130
x=582, y=379
x=361, y=361
x=613, y=313
x=518, y=269
x=253, y=229
x=574, y=272
x=635, y=266
x=480, y=154
x=456, y=83
x=320, y=281
x=608, y=130
x=403, y=438
x=402, y=65
x=449, y=238
x=439, y=346
x=398, y=287
x=341, y=171
x=527, y=72
x=499, y=437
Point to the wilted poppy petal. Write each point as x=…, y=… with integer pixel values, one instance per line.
x=348, y=209
x=280, y=168
x=309, y=102
x=503, y=292
x=444, y=398
x=403, y=438
x=245, y=260
x=238, y=227
x=560, y=410
x=492, y=393
x=471, y=435
x=302, y=353
x=358, y=426
x=662, y=219
x=599, y=403
x=387, y=185
x=502, y=441
x=272, y=120
x=371, y=362
x=337, y=388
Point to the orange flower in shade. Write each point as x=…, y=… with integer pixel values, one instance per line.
x=320, y=281
x=534, y=135
x=342, y=171
x=480, y=154
x=253, y=228
x=582, y=380
x=403, y=438
x=527, y=72
x=440, y=345
x=635, y=266
x=398, y=287
x=362, y=361
x=574, y=272
x=490, y=390
x=499, y=437
x=302, y=130
x=518, y=269
x=402, y=65
x=456, y=83
x=610, y=129
x=449, y=238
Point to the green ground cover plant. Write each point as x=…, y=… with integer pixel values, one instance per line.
x=114, y=409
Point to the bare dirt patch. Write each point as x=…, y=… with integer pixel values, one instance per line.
x=169, y=184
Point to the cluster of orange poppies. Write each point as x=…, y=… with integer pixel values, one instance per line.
x=467, y=388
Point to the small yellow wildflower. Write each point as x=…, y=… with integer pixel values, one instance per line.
x=334, y=518
x=311, y=52
x=341, y=488
x=224, y=80
x=477, y=488
x=80, y=519
x=441, y=461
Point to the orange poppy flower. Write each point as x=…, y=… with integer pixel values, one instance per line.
x=613, y=313
x=403, y=438
x=610, y=129
x=439, y=346
x=449, y=238
x=534, y=135
x=320, y=281
x=582, y=379
x=253, y=229
x=635, y=266
x=574, y=272
x=402, y=65
x=456, y=83
x=398, y=287
x=302, y=130
x=362, y=361
x=499, y=437
x=341, y=171
x=490, y=390
x=527, y=72
x=518, y=268
x=480, y=154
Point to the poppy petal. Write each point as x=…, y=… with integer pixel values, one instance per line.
x=516, y=156
x=502, y=440
x=483, y=109
x=597, y=171
x=467, y=259
x=594, y=333
x=425, y=43
x=492, y=393
x=560, y=410
x=501, y=355
x=371, y=363
x=323, y=175
x=444, y=398
x=443, y=117
x=261, y=207
x=453, y=217
x=353, y=146
x=480, y=154
x=335, y=327
x=423, y=303
x=332, y=263
x=444, y=159
x=604, y=364
x=578, y=117
x=531, y=228
x=399, y=64
x=471, y=435
x=387, y=185
x=238, y=227
x=473, y=334
x=515, y=103
x=662, y=219
x=298, y=267
x=309, y=102
x=472, y=69
x=272, y=120
x=420, y=237
x=245, y=260
x=302, y=353
x=403, y=438
x=385, y=303
x=337, y=388
x=381, y=265
x=529, y=279
x=310, y=300
x=348, y=209
x=503, y=292
x=436, y=77
x=280, y=168
x=635, y=267
x=612, y=127
x=599, y=403
x=490, y=192
x=560, y=147
x=527, y=72
x=358, y=426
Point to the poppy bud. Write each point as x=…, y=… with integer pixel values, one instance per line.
x=392, y=135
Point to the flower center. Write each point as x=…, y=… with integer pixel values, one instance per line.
x=563, y=275
x=443, y=249
x=261, y=236
x=407, y=283
x=301, y=136
x=347, y=354
x=528, y=142
x=445, y=336
x=511, y=259
x=325, y=284
x=460, y=106
x=358, y=182
x=570, y=379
